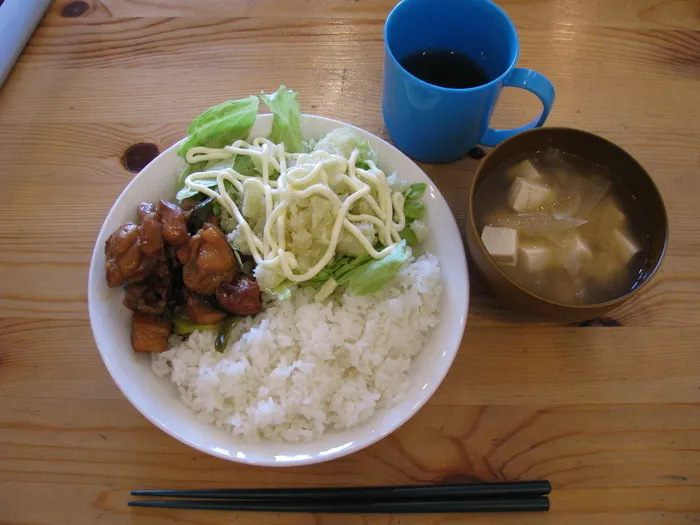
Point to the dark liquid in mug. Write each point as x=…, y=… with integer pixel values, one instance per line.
x=445, y=68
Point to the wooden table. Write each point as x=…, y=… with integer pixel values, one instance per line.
x=610, y=414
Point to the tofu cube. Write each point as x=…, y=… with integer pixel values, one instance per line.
x=575, y=255
x=606, y=216
x=527, y=196
x=607, y=270
x=624, y=247
x=501, y=243
x=534, y=257
x=579, y=249
x=609, y=213
x=527, y=171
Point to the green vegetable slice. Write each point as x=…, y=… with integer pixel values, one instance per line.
x=415, y=191
x=370, y=277
x=408, y=235
x=187, y=192
x=413, y=210
x=221, y=125
x=243, y=164
x=187, y=171
x=365, y=155
x=286, y=118
x=224, y=335
x=184, y=325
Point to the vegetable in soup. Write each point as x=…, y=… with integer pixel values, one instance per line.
x=563, y=228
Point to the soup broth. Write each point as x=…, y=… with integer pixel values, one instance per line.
x=563, y=228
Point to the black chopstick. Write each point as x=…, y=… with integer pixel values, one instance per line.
x=480, y=491
x=529, y=504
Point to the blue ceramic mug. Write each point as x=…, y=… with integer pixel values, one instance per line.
x=439, y=124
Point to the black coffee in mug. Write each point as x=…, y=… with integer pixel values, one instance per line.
x=445, y=68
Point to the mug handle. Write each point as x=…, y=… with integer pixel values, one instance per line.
x=535, y=83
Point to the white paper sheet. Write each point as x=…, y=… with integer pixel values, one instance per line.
x=18, y=19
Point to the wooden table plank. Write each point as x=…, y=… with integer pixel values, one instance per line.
x=610, y=414
x=495, y=365
x=678, y=14
x=640, y=458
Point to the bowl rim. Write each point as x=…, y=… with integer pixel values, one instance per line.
x=577, y=307
x=356, y=445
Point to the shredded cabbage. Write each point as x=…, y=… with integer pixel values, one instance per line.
x=320, y=206
x=326, y=217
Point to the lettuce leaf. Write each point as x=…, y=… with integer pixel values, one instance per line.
x=286, y=118
x=244, y=165
x=366, y=154
x=221, y=125
x=408, y=235
x=370, y=277
x=187, y=171
x=413, y=210
x=363, y=275
x=186, y=192
x=338, y=268
x=283, y=291
x=212, y=165
x=415, y=191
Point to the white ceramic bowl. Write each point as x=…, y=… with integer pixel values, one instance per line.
x=158, y=399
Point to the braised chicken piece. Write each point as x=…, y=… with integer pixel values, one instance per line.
x=150, y=333
x=126, y=260
x=153, y=294
x=241, y=297
x=174, y=225
x=183, y=253
x=189, y=203
x=151, y=229
x=211, y=261
x=163, y=268
x=201, y=310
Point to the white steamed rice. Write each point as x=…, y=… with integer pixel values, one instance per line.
x=302, y=367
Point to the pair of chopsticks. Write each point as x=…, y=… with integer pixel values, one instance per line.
x=525, y=496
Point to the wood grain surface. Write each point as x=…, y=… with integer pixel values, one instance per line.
x=610, y=414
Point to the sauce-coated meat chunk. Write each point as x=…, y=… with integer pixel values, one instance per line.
x=151, y=295
x=149, y=333
x=200, y=310
x=174, y=224
x=241, y=297
x=151, y=229
x=126, y=260
x=211, y=261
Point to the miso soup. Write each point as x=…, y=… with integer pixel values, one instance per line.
x=563, y=228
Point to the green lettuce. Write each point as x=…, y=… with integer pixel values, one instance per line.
x=212, y=165
x=369, y=278
x=338, y=268
x=221, y=125
x=363, y=275
x=413, y=210
x=188, y=170
x=286, y=118
x=366, y=154
x=187, y=192
x=415, y=191
x=408, y=235
x=245, y=166
x=283, y=291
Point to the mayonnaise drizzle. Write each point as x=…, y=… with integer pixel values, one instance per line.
x=307, y=177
